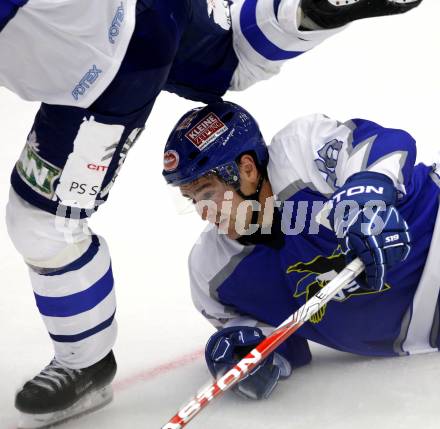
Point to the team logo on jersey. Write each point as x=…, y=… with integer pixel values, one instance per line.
x=170, y=160
x=218, y=10
x=36, y=172
x=435, y=174
x=328, y=159
x=206, y=131
x=320, y=271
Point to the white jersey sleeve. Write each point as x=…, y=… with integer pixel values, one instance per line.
x=320, y=154
x=213, y=258
x=65, y=52
x=266, y=33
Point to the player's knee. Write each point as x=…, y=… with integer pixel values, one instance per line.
x=42, y=238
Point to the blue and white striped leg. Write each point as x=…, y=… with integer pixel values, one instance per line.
x=78, y=304
x=72, y=279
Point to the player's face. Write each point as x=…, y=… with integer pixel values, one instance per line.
x=219, y=204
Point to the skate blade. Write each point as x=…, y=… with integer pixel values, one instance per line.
x=342, y=2
x=403, y=1
x=350, y=2
x=90, y=402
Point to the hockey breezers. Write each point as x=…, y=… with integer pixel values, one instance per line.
x=266, y=347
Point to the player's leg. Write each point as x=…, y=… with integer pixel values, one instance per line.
x=73, y=285
x=336, y=13
x=66, y=170
x=269, y=32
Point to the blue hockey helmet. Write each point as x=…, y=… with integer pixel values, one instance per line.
x=211, y=139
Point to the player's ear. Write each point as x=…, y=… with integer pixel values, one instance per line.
x=248, y=169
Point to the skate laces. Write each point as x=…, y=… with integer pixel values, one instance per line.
x=54, y=376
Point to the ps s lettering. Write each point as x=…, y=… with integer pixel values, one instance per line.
x=83, y=188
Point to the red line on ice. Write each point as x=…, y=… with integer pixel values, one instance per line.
x=164, y=368
x=149, y=374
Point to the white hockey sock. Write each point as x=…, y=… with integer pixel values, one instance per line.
x=77, y=303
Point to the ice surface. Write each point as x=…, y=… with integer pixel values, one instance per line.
x=386, y=70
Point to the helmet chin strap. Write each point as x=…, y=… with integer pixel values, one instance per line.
x=253, y=197
x=275, y=238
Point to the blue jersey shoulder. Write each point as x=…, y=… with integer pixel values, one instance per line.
x=382, y=142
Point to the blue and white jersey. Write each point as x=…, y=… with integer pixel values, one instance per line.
x=63, y=52
x=68, y=52
x=262, y=284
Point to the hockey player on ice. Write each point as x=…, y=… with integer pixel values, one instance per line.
x=264, y=254
x=98, y=67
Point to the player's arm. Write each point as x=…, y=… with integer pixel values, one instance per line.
x=387, y=151
x=322, y=153
x=365, y=170
x=372, y=182
x=236, y=335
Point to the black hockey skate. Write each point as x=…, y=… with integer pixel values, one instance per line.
x=335, y=13
x=58, y=393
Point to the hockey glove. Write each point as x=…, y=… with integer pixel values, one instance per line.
x=228, y=346
x=368, y=225
x=336, y=13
